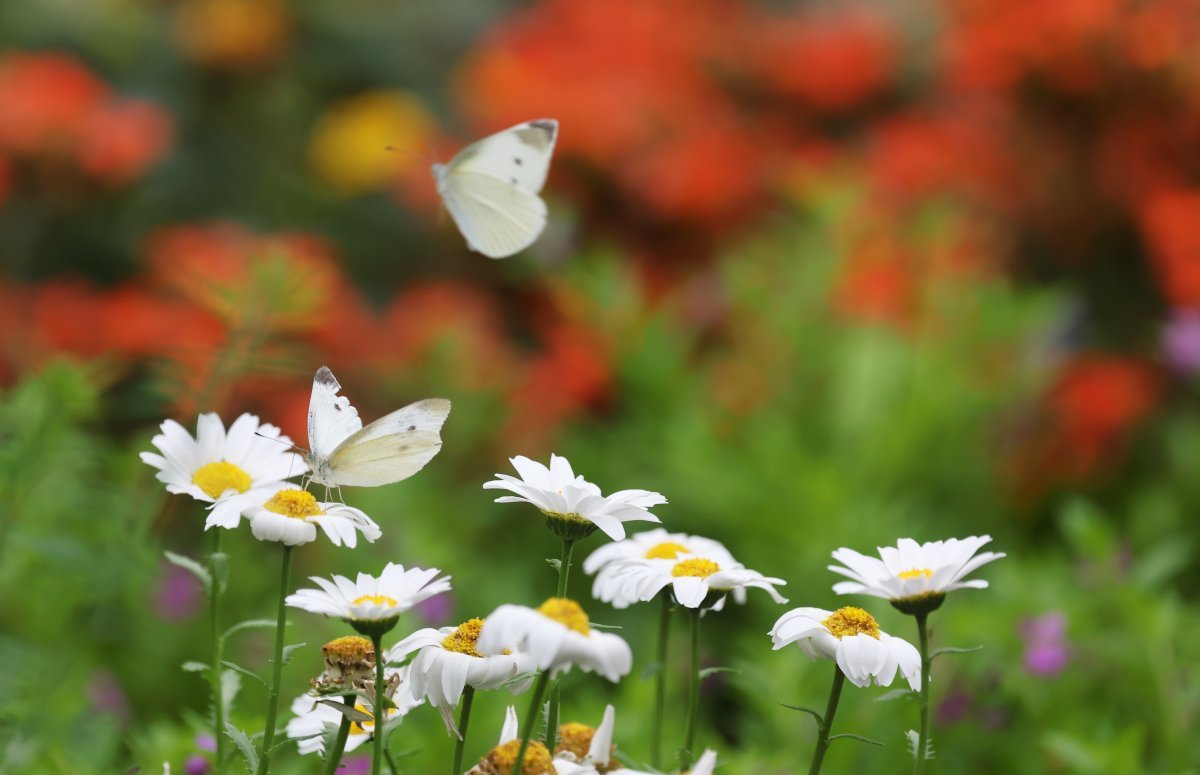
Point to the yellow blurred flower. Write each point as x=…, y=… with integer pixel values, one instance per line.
x=349, y=146
x=232, y=34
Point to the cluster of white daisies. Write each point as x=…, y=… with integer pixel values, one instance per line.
x=243, y=473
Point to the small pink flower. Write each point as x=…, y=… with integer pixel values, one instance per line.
x=1046, y=648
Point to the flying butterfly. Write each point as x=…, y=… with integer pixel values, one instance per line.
x=394, y=447
x=491, y=187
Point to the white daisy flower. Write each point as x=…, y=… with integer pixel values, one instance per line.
x=227, y=469
x=312, y=717
x=291, y=516
x=703, y=766
x=537, y=760
x=851, y=637
x=691, y=578
x=582, y=745
x=448, y=660
x=574, y=507
x=371, y=604
x=556, y=635
x=653, y=545
x=911, y=572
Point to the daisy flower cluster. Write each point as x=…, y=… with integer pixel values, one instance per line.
x=366, y=687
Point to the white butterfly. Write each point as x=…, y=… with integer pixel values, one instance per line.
x=394, y=447
x=491, y=187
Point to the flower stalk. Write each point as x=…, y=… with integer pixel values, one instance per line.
x=216, y=588
x=464, y=719
x=923, y=646
x=660, y=681
x=564, y=570
x=826, y=721
x=693, y=716
x=535, y=704
x=379, y=709
x=334, y=757
x=276, y=664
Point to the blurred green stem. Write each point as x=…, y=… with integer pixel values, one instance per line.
x=464, y=719
x=694, y=694
x=923, y=739
x=564, y=571
x=276, y=664
x=379, y=709
x=334, y=757
x=826, y=721
x=535, y=704
x=660, y=680
x=216, y=588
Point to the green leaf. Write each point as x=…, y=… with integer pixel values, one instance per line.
x=953, y=650
x=859, y=738
x=243, y=744
x=219, y=563
x=192, y=567
x=231, y=684
x=898, y=694
x=706, y=672
x=250, y=624
x=349, y=711
x=556, y=564
x=599, y=626
x=820, y=719
x=519, y=677
x=243, y=671
x=196, y=667
x=288, y=650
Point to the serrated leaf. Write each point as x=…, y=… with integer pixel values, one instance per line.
x=706, y=672
x=651, y=670
x=349, y=711
x=192, y=567
x=191, y=666
x=219, y=563
x=820, y=719
x=859, y=738
x=329, y=735
x=243, y=671
x=231, y=684
x=288, y=651
x=243, y=744
x=953, y=650
x=556, y=564
x=250, y=624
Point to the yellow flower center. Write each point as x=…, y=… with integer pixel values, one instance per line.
x=376, y=599
x=349, y=649
x=296, y=504
x=568, y=612
x=465, y=639
x=915, y=573
x=696, y=567
x=576, y=738
x=501, y=759
x=850, y=621
x=668, y=550
x=217, y=478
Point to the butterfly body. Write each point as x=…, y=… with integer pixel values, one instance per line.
x=491, y=187
x=394, y=447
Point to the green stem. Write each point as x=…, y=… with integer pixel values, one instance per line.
x=923, y=738
x=839, y=678
x=334, y=758
x=276, y=664
x=392, y=768
x=535, y=704
x=660, y=680
x=694, y=693
x=379, y=711
x=215, y=590
x=464, y=718
x=564, y=566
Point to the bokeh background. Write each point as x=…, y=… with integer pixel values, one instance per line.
x=825, y=274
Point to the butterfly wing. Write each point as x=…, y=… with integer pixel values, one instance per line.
x=392, y=448
x=331, y=418
x=491, y=187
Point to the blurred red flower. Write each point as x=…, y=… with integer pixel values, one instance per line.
x=47, y=98
x=120, y=140
x=1169, y=226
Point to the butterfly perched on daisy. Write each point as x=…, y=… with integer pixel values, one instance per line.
x=491, y=187
x=394, y=447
